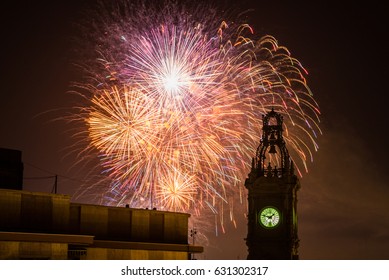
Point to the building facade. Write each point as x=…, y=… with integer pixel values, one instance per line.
x=48, y=226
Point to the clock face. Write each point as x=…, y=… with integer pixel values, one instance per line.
x=269, y=217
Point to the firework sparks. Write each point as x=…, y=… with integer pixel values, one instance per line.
x=176, y=103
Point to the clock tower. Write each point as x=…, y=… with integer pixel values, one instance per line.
x=272, y=197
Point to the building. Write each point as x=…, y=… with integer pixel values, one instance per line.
x=272, y=197
x=37, y=225
x=11, y=169
x=48, y=226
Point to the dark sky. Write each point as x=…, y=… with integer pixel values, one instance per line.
x=343, y=203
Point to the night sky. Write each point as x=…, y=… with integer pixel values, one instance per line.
x=343, y=203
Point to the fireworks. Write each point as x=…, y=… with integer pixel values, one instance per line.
x=176, y=96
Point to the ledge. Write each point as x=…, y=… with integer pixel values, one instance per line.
x=46, y=237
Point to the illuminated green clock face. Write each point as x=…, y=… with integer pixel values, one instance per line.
x=269, y=217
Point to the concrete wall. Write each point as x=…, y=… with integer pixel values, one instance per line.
x=15, y=250
x=123, y=254
x=53, y=213
x=33, y=212
x=10, y=209
x=176, y=228
x=127, y=224
x=47, y=226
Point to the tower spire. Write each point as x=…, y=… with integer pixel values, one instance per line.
x=272, y=149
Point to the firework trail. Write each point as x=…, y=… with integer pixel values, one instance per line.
x=175, y=99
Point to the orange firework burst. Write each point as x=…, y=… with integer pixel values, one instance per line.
x=177, y=97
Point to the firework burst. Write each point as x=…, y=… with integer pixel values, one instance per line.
x=176, y=95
